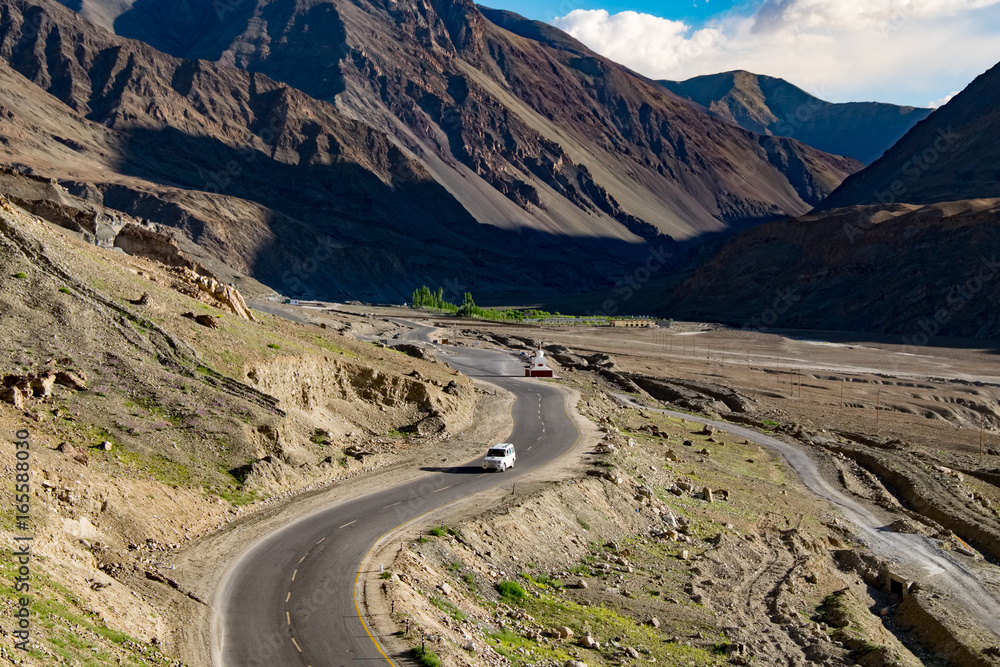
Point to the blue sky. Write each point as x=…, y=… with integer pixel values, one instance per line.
x=916, y=52
x=546, y=10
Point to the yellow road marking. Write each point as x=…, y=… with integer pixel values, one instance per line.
x=357, y=576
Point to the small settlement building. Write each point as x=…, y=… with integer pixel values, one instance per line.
x=633, y=323
x=538, y=368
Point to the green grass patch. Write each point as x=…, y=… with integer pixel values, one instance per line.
x=322, y=342
x=274, y=346
x=21, y=275
x=448, y=608
x=425, y=657
x=157, y=466
x=237, y=497
x=511, y=591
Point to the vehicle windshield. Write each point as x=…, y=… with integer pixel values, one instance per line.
x=498, y=452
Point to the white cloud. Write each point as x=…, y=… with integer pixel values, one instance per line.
x=889, y=50
x=943, y=101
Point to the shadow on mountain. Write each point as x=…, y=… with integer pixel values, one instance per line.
x=208, y=29
x=346, y=232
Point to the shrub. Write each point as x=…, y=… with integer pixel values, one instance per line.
x=65, y=290
x=21, y=275
x=274, y=346
x=439, y=531
x=511, y=590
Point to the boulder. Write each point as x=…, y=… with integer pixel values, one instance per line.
x=588, y=641
x=14, y=396
x=74, y=453
x=709, y=496
x=632, y=653
x=562, y=632
x=41, y=385
x=71, y=379
x=580, y=583
x=655, y=622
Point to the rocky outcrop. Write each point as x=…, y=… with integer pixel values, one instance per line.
x=159, y=246
x=222, y=295
x=17, y=389
x=324, y=386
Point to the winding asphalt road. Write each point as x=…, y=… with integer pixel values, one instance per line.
x=290, y=598
x=915, y=551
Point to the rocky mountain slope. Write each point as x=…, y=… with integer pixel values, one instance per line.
x=269, y=180
x=768, y=105
x=525, y=127
x=952, y=155
x=919, y=271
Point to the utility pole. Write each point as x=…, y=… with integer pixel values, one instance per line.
x=982, y=427
x=878, y=403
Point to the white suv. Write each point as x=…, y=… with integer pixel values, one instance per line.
x=500, y=457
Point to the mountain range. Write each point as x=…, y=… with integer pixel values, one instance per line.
x=412, y=142
x=910, y=245
x=354, y=150
x=768, y=105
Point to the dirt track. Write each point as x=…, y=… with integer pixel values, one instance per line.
x=913, y=552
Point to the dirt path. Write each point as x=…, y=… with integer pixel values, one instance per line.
x=915, y=552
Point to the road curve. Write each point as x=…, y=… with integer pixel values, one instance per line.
x=940, y=568
x=289, y=599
